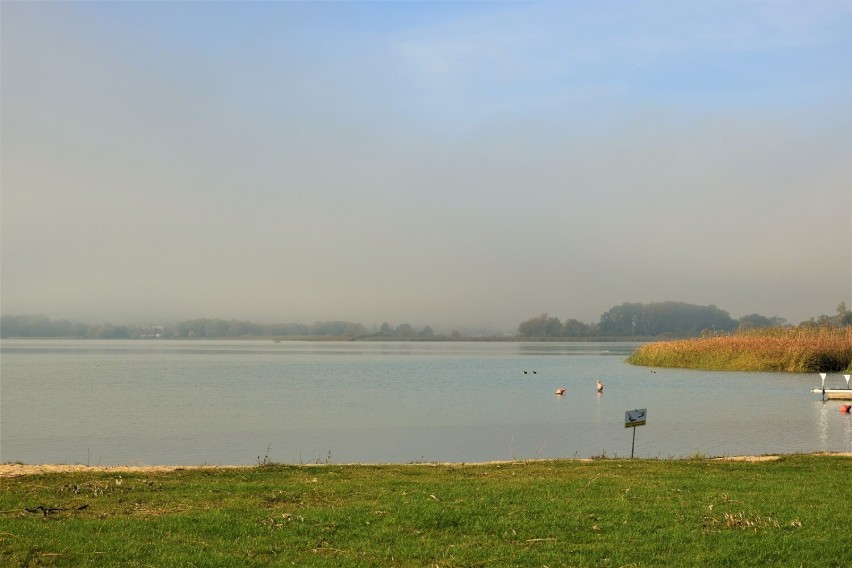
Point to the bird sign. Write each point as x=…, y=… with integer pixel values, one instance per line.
x=633, y=418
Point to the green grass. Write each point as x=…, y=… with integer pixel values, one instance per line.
x=696, y=512
x=805, y=349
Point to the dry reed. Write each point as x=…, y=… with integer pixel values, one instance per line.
x=802, y=349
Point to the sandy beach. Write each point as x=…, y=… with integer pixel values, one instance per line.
x=17, y=469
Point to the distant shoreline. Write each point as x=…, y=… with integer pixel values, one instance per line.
x=326, y=339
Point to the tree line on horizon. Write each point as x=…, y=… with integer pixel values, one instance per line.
x=201, y=328
x=657, y=319
x=42, y=326
x=662, y=319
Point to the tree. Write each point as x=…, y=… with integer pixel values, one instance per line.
x=620, y=320
x=109, y=331
x=757, y=320
x=533, y=327
x=657, y=318
x=542, y=326
x=553, y=328
x=574, y=328
x=404, y=330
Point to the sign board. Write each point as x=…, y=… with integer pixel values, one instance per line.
x=633, y=418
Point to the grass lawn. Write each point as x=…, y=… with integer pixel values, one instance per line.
x=794, y=511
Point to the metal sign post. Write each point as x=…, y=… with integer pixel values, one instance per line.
x=632, y=419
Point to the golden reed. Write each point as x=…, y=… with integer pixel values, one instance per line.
x=802, y=349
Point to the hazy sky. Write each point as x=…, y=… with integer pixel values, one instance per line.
x=452, y=164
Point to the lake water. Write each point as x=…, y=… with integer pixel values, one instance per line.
x=237, y=402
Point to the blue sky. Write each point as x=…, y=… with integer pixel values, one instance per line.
x=458, y=164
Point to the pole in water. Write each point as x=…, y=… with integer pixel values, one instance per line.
x=632, y=419
x=822, y=375
x=633, y=445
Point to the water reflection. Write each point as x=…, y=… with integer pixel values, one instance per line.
x=823, y=425
x=614, y=348
x=226, y=402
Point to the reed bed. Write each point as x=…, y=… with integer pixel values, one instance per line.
x=803, y=349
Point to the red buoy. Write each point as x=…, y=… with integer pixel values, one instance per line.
x=847, y=408
x=560, y=391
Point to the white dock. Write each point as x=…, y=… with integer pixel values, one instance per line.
x=838, y=394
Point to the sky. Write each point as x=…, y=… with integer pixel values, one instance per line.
x=466, y=165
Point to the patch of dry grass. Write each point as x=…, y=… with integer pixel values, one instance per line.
x=803, y=349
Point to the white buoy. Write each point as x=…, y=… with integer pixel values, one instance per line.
x=823, y=380
x=847, y=380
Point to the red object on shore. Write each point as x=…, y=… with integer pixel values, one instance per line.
x=847, y=408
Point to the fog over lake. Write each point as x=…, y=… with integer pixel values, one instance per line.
x=465, y=165
x=240, y=402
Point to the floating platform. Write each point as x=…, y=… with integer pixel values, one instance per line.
x=838, y=394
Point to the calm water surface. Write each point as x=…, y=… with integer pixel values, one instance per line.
x=230, y=402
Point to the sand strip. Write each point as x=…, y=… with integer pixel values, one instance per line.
x=16, y=469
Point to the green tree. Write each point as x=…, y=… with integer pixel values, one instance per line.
x=533, y=327
x=575, y=328
x=109, y=331
x=621, y=320
x=404, y=330
x=553, y=328
x=542, y=326
x=756, y=320
x=657, y=318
